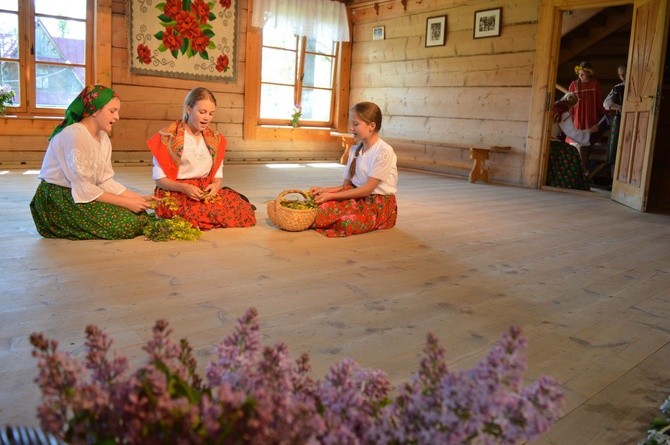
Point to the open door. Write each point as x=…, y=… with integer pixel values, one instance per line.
x=632, y=170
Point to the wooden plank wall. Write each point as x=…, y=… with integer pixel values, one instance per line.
x=150, y=102
x=467, y=92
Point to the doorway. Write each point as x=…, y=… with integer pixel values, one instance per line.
x=649, y=32
x=659, y=188
x=599, y=38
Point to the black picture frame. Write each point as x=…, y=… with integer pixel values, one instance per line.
x=487, y=23
x=436, y=31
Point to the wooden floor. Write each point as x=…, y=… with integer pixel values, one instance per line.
x=586, y=278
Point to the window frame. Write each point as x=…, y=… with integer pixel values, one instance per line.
x=254, y=128
x=300, y=53
x=28, y=63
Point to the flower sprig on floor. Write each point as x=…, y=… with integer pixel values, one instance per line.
x=175, y=228
x=659, y=430
x=255, y=394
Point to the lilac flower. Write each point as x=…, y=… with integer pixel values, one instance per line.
x=256, y=394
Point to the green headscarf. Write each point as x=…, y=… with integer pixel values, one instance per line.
x=91, y=99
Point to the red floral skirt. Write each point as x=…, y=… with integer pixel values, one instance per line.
x=227, y=209
x=345, y=217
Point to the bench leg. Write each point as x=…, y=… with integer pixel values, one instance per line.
x=479, y=170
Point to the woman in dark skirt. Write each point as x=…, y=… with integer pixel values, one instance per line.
x=78, y=197
x=565, y=168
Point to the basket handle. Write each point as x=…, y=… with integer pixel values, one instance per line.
x=288, y=192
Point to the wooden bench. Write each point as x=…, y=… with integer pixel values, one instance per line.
x=479, y=156
x=479, y=170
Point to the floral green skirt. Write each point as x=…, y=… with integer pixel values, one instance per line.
x=57, y=216
x=346, y=217
x=565, y=168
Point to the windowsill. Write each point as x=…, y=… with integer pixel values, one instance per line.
x=288, y=133
x=299, y=127
x=26, y=117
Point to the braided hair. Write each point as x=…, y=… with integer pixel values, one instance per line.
x=367, y=112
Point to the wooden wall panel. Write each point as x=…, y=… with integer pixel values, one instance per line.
x=467, y=92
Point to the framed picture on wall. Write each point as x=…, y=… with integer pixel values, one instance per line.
x=436, y=31
x=378, y=33
x=487, y=23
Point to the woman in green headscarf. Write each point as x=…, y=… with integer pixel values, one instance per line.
x=77, y=197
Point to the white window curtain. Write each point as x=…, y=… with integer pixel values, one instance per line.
x=311, y=18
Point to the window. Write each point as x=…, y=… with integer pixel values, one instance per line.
x=297, y=72
x=292, y=70
x=45, y=52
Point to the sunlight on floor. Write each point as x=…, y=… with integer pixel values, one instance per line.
x=311, y=164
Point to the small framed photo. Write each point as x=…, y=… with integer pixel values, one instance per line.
x=436, y=31
x=378, y=33
x=487, y=23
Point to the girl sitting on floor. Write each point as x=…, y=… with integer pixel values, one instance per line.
x=78, y=197
x=366, y=200
x=188, y=169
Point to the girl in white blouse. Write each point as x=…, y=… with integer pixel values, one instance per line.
x=366, y=200
x=188, y=169
x=78, y=197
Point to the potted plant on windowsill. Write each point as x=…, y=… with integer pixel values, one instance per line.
x=6, y=98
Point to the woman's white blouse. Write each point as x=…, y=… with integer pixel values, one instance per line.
x=76, y=160
x=196, y=160
x=379, y=162
x=568, y=127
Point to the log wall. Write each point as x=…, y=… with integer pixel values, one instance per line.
x=467, y=92
x=150, y=102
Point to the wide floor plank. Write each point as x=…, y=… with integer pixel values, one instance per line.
x=586, y=278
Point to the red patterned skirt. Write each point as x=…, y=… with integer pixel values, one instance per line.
x=346, y=217
x=227, y=209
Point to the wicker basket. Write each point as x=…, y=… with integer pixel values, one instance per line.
x=292, y=220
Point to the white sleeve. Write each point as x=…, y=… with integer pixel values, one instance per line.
x=157, y=172
x=582, y=137
x=87, y=170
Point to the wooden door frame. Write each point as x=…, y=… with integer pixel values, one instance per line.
x=544, y=81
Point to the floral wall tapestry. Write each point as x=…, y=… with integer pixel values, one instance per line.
x=187, y=39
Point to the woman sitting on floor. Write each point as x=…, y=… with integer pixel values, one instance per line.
x=188, y=170
x=565, y=164
x=78, y=197
x=366, y=200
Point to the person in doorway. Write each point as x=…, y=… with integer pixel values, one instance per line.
x=613, y=103
x=366, y=200
x=77, y=197
x=188, y=169
x=565, y=165
x=589, y=109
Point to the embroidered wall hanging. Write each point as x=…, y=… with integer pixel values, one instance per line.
x=187, y=39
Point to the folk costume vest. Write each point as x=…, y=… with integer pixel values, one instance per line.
x=167, y=147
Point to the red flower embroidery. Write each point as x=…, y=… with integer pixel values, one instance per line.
x=187, y=30
x=144, y=54
x=201, y=10
x=172, y=40
x=222, y=63
x=172, y=8
x=199, y=43
x=187, y=25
